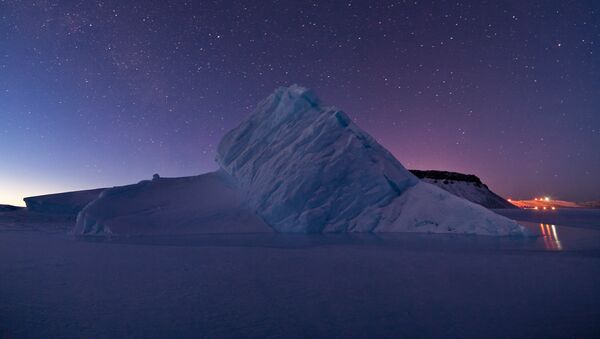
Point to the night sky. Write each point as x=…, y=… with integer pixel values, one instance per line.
x=103, y=93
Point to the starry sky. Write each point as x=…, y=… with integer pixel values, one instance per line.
x=104, y=93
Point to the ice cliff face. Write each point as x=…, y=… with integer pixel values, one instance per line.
x=304, y=167
x=67, y=203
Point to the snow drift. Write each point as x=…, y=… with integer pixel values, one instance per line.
x=292, y=166
x=304, y=167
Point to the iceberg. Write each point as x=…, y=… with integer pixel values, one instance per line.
x=200, y=204
x=306, y=167
x=294, y=165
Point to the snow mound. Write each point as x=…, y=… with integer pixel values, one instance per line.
x=201, y=204
x=428, y=208
x=304, y=167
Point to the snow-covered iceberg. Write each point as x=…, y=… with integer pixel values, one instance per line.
x=293, y=166
x=304, y=167
x=66, y=203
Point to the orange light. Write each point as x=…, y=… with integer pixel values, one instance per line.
x=535, y=208
x=544, y=207
x=553, y=208
x=542, y=228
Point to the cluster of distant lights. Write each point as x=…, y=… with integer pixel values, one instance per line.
x=544, y=208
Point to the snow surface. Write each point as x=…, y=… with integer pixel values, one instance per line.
x=273, y=285
x=201, y=204
x=22, y=219
x=304, y=167
x=297, y=285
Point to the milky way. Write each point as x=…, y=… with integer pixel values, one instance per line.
x=106, y=93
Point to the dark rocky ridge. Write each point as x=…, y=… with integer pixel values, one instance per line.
x=445, y=175
x=466, y=186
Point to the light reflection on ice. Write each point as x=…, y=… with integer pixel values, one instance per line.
x=550, y=237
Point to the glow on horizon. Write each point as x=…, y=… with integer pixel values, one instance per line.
x=11, y=195
x=12, y=192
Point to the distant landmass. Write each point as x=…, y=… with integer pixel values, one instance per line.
x=466, y=186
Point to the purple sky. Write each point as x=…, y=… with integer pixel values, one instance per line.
x=103, y=93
